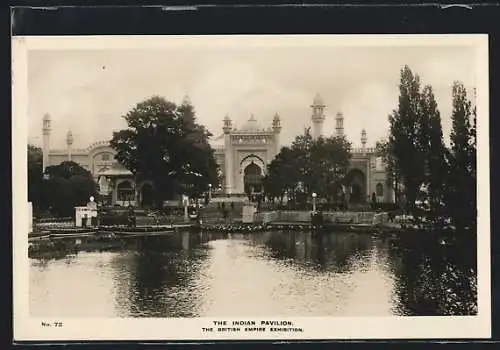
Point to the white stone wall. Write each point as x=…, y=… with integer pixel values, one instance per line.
x=80, y=213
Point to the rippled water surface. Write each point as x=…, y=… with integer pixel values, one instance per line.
x=273, y=273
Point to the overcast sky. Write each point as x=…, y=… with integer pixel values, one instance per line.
x=90, y=90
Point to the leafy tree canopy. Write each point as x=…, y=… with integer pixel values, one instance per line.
x=68, y=185
x=461, y=197
x=164, y=143
x=308, y=166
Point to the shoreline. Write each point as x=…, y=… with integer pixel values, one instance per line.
x=329, y=228
x=63, y=241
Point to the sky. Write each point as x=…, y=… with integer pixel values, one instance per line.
x=88, y=91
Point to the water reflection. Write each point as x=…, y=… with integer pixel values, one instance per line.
x=260, y=274
x=434, y=278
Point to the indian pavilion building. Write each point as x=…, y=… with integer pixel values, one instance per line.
x=242, y=154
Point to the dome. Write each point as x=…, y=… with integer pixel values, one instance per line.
x=46, y=117
x=251, y=125
x=318, y=101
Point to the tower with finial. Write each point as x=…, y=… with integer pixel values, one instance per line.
x=69, y=143
x=228, y=173
x=227, y=125
x=318, y=116
x=339, y=124
x=276, y=123
x=46, y=129
x=276, y=130
x=363, y=141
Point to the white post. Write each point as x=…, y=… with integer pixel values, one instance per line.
x=185, y=200
x=209, y=192
x=314, y=200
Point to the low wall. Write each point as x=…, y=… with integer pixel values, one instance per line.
x=333, y=217
x=267, y=216
x=81, y=212
x=293, y=216
x=380, y=218
x=239, y=199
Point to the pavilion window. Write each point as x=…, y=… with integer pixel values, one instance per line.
x=125, y=192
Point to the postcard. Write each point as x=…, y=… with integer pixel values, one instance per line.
x=260, y=187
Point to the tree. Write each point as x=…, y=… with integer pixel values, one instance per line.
x=432, y=146
x=308, y=166
x=68, y=185
x=35, y=175
x=384, y=151
x=461, y=194
x=282, y=174
x=405, y=136
x=164, y=143
x=301, y=148
x=329, y=161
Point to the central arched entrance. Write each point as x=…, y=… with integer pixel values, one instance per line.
x=252, y=178
x=356, y=193
x=356, y=183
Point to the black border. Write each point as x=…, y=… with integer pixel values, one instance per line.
x=205, y=19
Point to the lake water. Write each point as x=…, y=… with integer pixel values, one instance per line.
x=258, y=274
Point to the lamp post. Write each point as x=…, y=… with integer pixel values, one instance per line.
x=314, y=200
x=209, y=192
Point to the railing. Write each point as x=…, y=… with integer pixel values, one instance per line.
x=368, y=150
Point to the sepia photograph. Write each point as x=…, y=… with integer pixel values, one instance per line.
x=251, y=187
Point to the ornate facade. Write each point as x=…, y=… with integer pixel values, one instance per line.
x=246, y=152
x=243, y=157
x=115, y=182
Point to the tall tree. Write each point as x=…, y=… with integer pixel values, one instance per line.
x=404, y=136
x=164, y=143
x=461, y=194
x=432, y=146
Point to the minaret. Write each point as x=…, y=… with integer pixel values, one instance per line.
x=46, y=141
x=228, y=175
x=363, y=141
x=186, y=100
x=276, y=130
x=318, y=116
x=339, y=124
x=69, y=142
